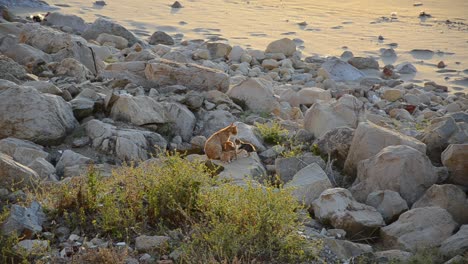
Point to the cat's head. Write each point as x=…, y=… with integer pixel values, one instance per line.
x=232, y=129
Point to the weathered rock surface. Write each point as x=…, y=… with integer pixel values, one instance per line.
x=218, y=50
x=345, y=249
x=442, y=132
x=125, y=144
x=389, y=256
x=42, y=118
x=70, y=158
x=339, y=70
x=58, y=19
x=246, y=134
x=138, y=110
x=14, y=174
x=369, y=139
x=456, y=244
x=454, y=158
x=286, y=168
x=257, y=94
x=24, y=3
x=161, y=37
x=112, y=40
x=44, y=38
x=24, y=221
x=182, y=120
x=338, y=207
x=448, y=197
x=306, y=96
x=389, y=204
x=309, y=183
x=323, y=117
x=401, y=168
x=102, y=25
x=285, y=46
x=364, y=63
x=419, y=228
x=145, y=243
x=12, y=71
x=193, y=76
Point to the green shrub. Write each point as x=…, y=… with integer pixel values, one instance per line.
x=136, y=198
x=272, y=132
x=247, y=223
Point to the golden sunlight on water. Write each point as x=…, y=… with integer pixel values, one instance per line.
x=329, y=27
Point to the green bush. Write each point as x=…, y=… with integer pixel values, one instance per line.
x=272, y=132
x=247, y=223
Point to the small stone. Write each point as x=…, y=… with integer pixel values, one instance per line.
x=381, y=37
x=100, y=3
x=392, y=94
x=441, y=65
x=161, y=37
x=176, y=4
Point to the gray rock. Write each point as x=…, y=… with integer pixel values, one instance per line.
x=58, y=19
x=22, y=151
x=24, y=221
x=151, y=243
x=73, y=68
x=138, y=110
x=218, y=50
x=12, y=71
x=44, y=87
x=193, y=76
x=102, y=25
x=43, y=168
x=104, y=170
x=32, y=246
x=449, y=197
x=286, y=168
x=456, y=244
x=389, y=204
x=454, y=158
x=44, y=38
x=285, y=46
x=419, y=228
x=257, y=95
x=324, y=117
x=42, y=118
x=126, y=144
x=114, y=41
x=308, y=184
x=369, y=139
x=14, y=174
x=364, y=63
x=243, y=169
x=246, y=133
x=338, y=207
x=339, y=70
x=306, y=96
x=442, y=132
x=70, y=158
x=24, y=3
x=182, y=120
x=345, y=249
x=212, y=121
x=406, y=68
x=390, y=256
x=161, y=37
x=400, y=168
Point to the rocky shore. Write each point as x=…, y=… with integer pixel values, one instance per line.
x=381, y=165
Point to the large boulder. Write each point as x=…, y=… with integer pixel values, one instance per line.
x=442, y=132
x=286, y=168
x=12, y=71
x=285, y=46
x=138, y=110
x=370, y=139
x=45, y=38
x=128, y=72
x=246, y=134
x=242, y=169
x=112, y=40
x=151, y=243
x=70, y=158
x=24, y=221
x=161, y=37
x=305, y=96
x=338, y=207
x=182, y=120
x=447, y=196
x=26, y=55
x=27, y=114
x=73, y=68
x=102, y=25
x=257, y=94
x=388, y=203
x=322, y=117
x=345, y=249
x=212, y=121
x=454, y=158
x=456, y=244
x=61, y=20
x=419, y=228
x=125, y=144
x=309, y=183
x=400, y=168
x=340, y=71
x=218, y=50
x=193, y=76
x=13, y=174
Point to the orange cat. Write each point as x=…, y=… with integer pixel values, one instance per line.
x=230, y=152
x=215, y=144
